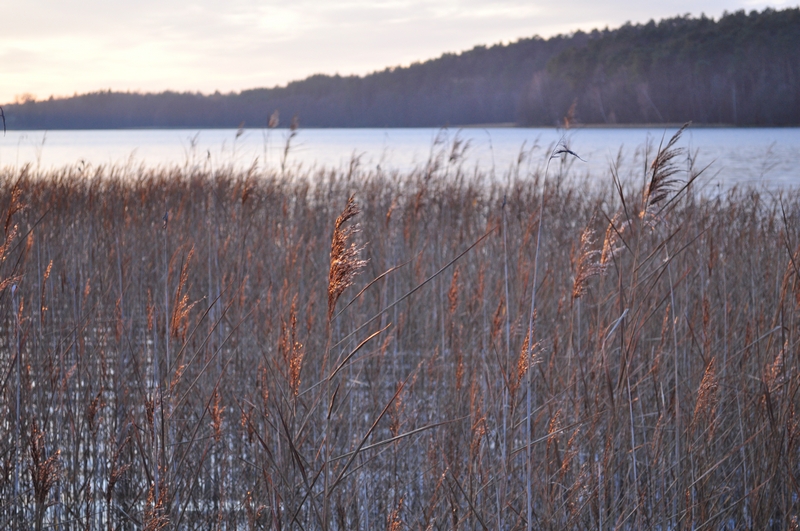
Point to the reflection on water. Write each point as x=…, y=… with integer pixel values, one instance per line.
x=736, y=155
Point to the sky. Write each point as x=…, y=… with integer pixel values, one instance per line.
x=63, y=47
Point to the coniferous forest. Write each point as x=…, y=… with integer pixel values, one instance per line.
x=742, y=69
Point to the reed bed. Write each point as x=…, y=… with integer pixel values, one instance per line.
x=213, y=349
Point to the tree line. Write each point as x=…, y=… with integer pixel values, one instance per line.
x=743, y=69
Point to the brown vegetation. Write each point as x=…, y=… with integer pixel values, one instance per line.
x=211, y=368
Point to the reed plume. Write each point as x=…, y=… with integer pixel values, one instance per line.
x=662, y=172
x=611, y=241
x=588, y=265
x=705, y=410
x=179, y=320
x=44, y=472
x=345, y=263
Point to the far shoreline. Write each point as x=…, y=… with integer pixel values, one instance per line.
x=509, y=125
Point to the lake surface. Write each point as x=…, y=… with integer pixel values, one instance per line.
x=736, y=155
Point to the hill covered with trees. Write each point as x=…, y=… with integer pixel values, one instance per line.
x=742, y=69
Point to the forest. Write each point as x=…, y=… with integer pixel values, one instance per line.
x=743, y=69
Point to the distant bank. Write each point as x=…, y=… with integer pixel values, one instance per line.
x=743, y=69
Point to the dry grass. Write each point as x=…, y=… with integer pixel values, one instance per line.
x=220, y=371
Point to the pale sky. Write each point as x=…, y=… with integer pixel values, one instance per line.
x=60, y=47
